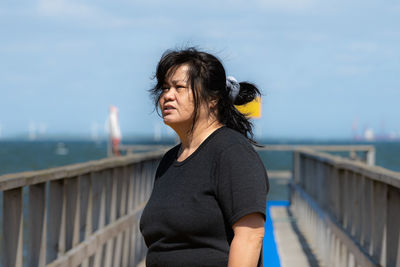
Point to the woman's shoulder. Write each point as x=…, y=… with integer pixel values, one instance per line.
x=168, y=158
x=229, y=143
x=171, y=153
x=229, y=138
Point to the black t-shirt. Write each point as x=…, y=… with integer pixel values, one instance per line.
x=189, y=217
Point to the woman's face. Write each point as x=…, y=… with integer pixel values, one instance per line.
x=176, y=100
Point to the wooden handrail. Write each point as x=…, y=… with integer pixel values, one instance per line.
x=77, y=212
x=369, y=150
x=15, y=180
x=374, y=172
x=361, y=201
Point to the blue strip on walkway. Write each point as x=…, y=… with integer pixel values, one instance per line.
x=270, y=252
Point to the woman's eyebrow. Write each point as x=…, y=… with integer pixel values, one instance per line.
x=178, y=81
x=175, y=82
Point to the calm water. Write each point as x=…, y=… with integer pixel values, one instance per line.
x=18, y=156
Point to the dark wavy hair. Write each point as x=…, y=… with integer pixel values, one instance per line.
x=207, y=78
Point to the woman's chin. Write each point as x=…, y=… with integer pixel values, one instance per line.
x=177, y=124
x=167, y=120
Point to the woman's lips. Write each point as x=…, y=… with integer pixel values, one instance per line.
x=168, y=109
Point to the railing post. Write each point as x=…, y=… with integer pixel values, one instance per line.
x=367, y=204
x=56, y=202
x=135, y=245
x=296, y=167
x=393, y=229
x=358, y=204
x=121, y=203
x=12, y=227
x=127, y=251
x=37, y=225
x=72, y=212
x=379, y=222
x=99, y=212
x=341, y=174
x=353, y=154
x=371, y=156
x=86, y=210
x=334, y=191
x=112, y=216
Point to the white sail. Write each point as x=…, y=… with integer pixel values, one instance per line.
x=113, y=124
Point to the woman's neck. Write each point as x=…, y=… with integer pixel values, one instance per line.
x=191, y=141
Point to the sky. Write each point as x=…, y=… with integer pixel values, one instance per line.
x=323, y=66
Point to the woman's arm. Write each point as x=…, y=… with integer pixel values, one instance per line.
x=247, y=241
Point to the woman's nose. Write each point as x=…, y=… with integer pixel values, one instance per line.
x=169, y=94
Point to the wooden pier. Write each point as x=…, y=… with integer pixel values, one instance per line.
x=348, y=210
x=293, y=249
x=343, y=212
x=78, y=215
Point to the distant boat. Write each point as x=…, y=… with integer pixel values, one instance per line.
x=61, y=149
x=369, y=134
x=114, y=131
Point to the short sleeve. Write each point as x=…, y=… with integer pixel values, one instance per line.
x=242, y=183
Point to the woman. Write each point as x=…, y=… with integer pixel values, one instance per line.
x=208, y=203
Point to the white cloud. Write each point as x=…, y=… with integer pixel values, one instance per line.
x=38, y=46
x=286, y=5
x=65, y=8
x=273, y=5
x=308, y=36
x=364, y=47
x=391, y=33
x=276, y=5
x=379, y=49
x=80, y=12
x=395, y=9
x=353, y=70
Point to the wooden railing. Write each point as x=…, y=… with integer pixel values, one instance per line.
x=368, y=151
x=348, y=211
x=78, y=215
x=87, y=214
x=353, y=150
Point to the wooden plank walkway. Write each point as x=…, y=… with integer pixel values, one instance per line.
x=292, y=247
x=142, y=263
